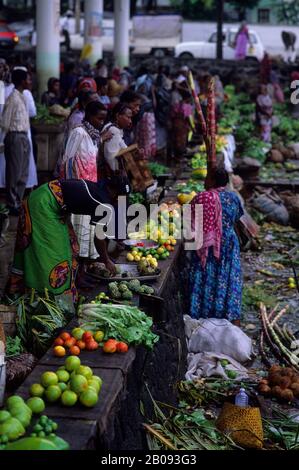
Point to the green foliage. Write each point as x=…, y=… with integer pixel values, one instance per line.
x=43, y=116
x=13, y=346
x=288, y=11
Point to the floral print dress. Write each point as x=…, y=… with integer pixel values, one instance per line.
x=216, y=290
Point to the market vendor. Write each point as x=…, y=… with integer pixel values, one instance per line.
x=46, y=246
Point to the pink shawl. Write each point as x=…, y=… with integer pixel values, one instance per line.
x=212, y=222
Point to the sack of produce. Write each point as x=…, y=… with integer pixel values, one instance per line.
x=272, y=206
x=219, y=336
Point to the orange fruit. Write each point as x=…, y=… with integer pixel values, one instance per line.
x=70, y=342
x=58, y=342
x=89, y=397
x=49, y=378
x=75, y=350
x=72, y=363
x=81, y=344
x=59, y=351
x=78, y=384
x=53, y=393
x=69, y=398
x=64, y=335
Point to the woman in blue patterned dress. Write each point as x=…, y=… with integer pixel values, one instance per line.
x=216, y=274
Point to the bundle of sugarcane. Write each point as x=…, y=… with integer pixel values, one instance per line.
x=197, y=105
x=208, y=128
x=280, y=340
x=211, y=124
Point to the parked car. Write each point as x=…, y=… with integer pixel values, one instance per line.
x=8, y=38
x=207, y=49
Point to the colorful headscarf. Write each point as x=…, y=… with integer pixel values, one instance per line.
x=212, y=223
x=94, y=133
x=88, y=83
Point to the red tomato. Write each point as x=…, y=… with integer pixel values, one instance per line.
x=70, y=342
x=87, y=335
x=58, y=342
x=110, y=346
x=122, y=347
x=64, y=335
x=75, y=350
x=91, y=345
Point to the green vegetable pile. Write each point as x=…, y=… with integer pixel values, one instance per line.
x=43, y=116
x=13, y=346
x=191, y=185
x=125, y=290
x=136, y=198
x=256, y=148
x=38, y=319
x=157, y=169
x=121, y=322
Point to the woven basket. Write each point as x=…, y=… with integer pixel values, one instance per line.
x=244, y=425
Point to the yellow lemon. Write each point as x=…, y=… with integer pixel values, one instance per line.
x=137, y=258
x=130, y=257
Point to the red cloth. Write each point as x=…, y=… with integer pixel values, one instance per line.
x=212, y=222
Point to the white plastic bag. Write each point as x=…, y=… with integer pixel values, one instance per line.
x=218, y=336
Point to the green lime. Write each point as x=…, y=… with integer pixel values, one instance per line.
x=36, y=404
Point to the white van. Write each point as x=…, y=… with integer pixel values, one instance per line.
x=207, y=49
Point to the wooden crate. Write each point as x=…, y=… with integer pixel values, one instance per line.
x=8, y=319
x=138, y=172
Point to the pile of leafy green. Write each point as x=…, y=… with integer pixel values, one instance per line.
x=13, y=346
x=43, y=116
x=38, y=319
x=121, y=322
x=190, y=186
x=256, y=148
x=136, y=198
x=157, y=169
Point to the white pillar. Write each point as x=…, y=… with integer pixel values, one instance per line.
x=47, y=45
x=121, y=32
x=93, y=29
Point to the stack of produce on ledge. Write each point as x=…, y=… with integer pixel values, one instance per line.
x=125, y=290
x=121, y=322
x=282, y=383
x=71, y=383
x=17, y=420
x=37, y=320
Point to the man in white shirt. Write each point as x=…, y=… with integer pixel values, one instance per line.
x=15, y=123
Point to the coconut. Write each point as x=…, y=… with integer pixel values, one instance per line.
x=275, y=378
x=285, y=382
x=264, y=389
x=287, y=395
x=295, y=389
x=276, y=391
x=274, y=368
x=275, y=156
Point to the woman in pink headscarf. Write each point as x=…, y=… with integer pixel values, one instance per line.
x=241, y=42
